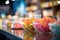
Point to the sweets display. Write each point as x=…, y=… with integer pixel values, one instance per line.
x=40, y=24
x=35, y=24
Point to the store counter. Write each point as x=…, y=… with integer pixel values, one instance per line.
x=8, y=36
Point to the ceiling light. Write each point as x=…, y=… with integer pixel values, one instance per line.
x=7, y=2
x=13, y=0
x=58, y=2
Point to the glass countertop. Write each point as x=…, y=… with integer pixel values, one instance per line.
x=33, y=35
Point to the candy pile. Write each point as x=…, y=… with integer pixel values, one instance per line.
x=38, y=24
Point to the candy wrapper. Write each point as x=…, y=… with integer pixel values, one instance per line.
x=40, y=25
x=33, y=19
x=37, y=26
x=28, y=25
x=49, y=19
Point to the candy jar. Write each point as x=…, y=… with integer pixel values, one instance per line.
x=55, y=29
x=18, y=29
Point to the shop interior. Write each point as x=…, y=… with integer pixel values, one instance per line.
x=30, y=19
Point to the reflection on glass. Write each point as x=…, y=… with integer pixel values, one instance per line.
x=55, y=38
x=29, y=35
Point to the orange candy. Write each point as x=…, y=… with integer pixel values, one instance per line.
x=27, y=22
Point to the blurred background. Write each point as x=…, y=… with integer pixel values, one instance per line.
x=27, y=7
x=13, y=12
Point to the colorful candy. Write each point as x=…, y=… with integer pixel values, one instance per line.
x=40, y=24
x=28, y=25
